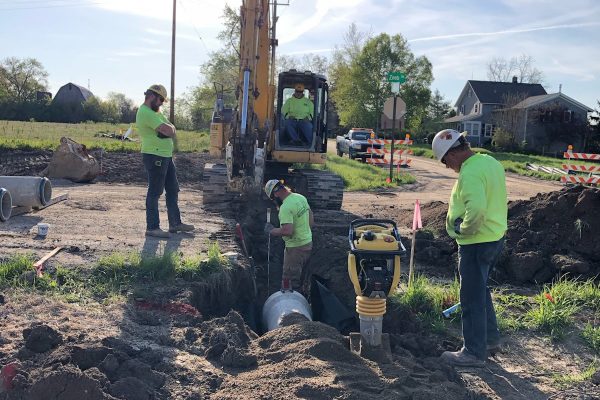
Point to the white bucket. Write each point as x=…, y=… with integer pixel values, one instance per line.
x=42, y=229
x=282, y=303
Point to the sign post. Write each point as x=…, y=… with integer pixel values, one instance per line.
x=395, y=78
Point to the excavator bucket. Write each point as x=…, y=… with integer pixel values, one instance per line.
x=72, y=161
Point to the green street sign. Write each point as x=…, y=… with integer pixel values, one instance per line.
x=399, y=77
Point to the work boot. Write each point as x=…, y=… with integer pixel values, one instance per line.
x=461, y=359
x=159, y=233
x=181, y=228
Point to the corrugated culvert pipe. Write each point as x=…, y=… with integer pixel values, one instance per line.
x=5, y=205
x=28, y=191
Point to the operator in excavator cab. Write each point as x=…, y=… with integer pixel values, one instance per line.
x=298, y=113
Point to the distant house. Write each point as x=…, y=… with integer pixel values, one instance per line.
x=538, y=120
x=72, y=93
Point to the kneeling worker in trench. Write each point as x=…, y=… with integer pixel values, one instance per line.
x=295, y=220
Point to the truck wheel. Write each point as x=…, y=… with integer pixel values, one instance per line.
x=339, y=152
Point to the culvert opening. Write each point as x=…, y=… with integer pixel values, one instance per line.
x=5, y=205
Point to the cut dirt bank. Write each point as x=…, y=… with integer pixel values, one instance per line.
x=123, y=350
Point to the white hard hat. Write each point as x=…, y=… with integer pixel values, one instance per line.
x=270, y=187
x=444, y=140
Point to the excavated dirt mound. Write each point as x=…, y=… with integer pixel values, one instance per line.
x=116, y=167
x=551, y=234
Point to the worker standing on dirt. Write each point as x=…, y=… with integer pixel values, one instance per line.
x=477, y=220
x=295, y=221
x=157, y=135
x=298, y=114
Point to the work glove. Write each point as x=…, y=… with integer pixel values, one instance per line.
x=457, y=223
x=268, y=228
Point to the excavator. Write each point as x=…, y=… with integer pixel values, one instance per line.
x=252, y=137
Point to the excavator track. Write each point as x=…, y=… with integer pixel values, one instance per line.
x=214, y=187
x=325, y=190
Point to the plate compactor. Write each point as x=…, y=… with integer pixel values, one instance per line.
x=374, y=270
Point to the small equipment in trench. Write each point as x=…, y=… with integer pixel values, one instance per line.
x=374, y=270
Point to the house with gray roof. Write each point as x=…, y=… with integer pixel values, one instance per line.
x=537, y=120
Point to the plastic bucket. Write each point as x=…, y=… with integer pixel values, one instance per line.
x=43, y=229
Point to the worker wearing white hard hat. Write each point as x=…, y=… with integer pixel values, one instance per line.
x=477, y=220
x=295, y=222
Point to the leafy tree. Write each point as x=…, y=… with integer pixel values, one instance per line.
x=361, y=86
x=438, y=109
x=222, y=68
x=21, y=79
x=502, y=70
x=308, y=62
x=125, y=107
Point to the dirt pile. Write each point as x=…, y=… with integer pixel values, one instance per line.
x=554, y=233
x=551, y=234
x=312, y=360
x=106, y=370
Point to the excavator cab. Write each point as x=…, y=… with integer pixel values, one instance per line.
x=315, y=89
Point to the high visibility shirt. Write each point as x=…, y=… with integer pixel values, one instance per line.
x=296, y=211
x=479, y=198
x=146, y=122
x=295, y=108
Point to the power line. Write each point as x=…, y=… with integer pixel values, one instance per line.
x=194, y=26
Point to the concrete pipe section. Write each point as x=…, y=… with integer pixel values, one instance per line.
x=28, y=191
x=282, y=303
x=5, y=204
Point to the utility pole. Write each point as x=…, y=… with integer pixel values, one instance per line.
x=172, y=102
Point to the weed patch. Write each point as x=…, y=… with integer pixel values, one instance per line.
x=591, y=336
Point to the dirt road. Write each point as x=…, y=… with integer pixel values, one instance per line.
x=434, y=183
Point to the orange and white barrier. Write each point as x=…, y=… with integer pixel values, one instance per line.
x=580, y=179
x=581, y=168
x=581, y=156
x=383, y=162
x=585, y=169
x=407, y=142
x=402, y=153
x=386, y=151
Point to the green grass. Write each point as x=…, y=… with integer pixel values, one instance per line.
x=510, y=308
x=587, y=373
x=591, y=335
x=113, y=275
x=426, y=300
x=360, y=176
x=46, y=136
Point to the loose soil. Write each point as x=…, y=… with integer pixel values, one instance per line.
x=158, y=347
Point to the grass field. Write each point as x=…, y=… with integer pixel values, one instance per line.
x=46, y=136
x=360, y=176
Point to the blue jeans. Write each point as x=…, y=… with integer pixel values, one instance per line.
x=295, y=126
x=162, y=176
x=479, y=326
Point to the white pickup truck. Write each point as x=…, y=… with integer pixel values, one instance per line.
x=355, y=144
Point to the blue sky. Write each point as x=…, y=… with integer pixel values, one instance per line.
x=124, y=45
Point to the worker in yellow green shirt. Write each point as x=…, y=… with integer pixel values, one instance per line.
x=157, y=135
x=477, y=220
x=298, y=114
x=295, y=221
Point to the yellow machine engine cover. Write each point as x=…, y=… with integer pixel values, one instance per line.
x=380, y=241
